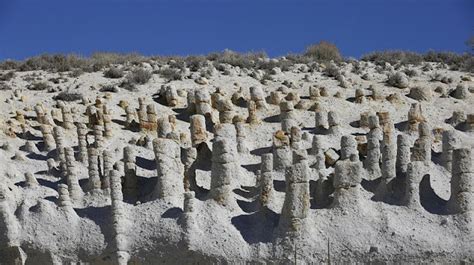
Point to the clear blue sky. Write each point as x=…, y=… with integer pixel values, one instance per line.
x=181, y=27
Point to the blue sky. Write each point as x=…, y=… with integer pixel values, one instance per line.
x=182, y=27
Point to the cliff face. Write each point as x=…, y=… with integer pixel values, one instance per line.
x=311, y=164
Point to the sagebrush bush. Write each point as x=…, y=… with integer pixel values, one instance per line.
x=38, y=86
x=68, y=96
x=113, y=72
x=194, y=63
x=139, y=76
x=242, y=60
x=7, y=76
x=393, y=57
x=70, y=62
x=127, y=85
x=5, y=86
x=323, y=51
x=453, y=60
x=332, y=70
x=170, y=74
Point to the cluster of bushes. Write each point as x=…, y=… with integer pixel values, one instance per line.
x=321, y=52
x=136, y=77
x=455, y=61
x=71, y=62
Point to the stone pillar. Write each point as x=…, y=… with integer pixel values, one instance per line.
x=252, y=110
x=94, y=183
x=198, y=129
x=257, y=95
x=164, y=128
x=360, y=96
x=118, y=221
x=82, y=142
x=348, y=147
x=403, y=153
x=296, y=205
x=188, y=216
x=241, y=144
x=449, y=143
x=130, y=186
x=266, y=180
x=130, y=116
x=59, y=139
x=389, y=153
x=333, y=121
x=224, y=168
x=414, y=173
x=347, y=179
x=295, y=139
x=171, y=96
x=107, y=167
x=151, y=117
x=40, y=114
x=321, y=120
x=415, y=116
x=68, y=121
x=107, y=122
x=98, y=136
x=422, y=148
x=462, y=182
x=188, y=158
x=372, y=161
x=169, y=168
x=72, y=181
x=318, y=152
x=281, y=151
x=374, y=126
x=63, y=198
x=275, y=97
x=142, y=113
x=226, y=110
x=287, y=111
x=203, y=102
x=470, y=123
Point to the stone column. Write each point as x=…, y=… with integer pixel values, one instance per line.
x=347, y=179
x=169, y=168
x=48, y=139
x=333, y=121
x=107, y=122
x=252, y=110
x=403, y=153
x=72, y=181
x=119, y=225
x=98, y=136
x=422, y=148
x=414, y=173
x=224, y=168
x=281, y=151
x=82, y=142
x=94, y=183
x=348, y=147
x=198, y=129
x=372, y=161
x=241, y=144
x=296, y=205
x=449, y=143
x=266, y=179
x=415, y=116
x=130, y=186
x=107, y=167
x=462, y=182
x=68, y=121
x=257, y=95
